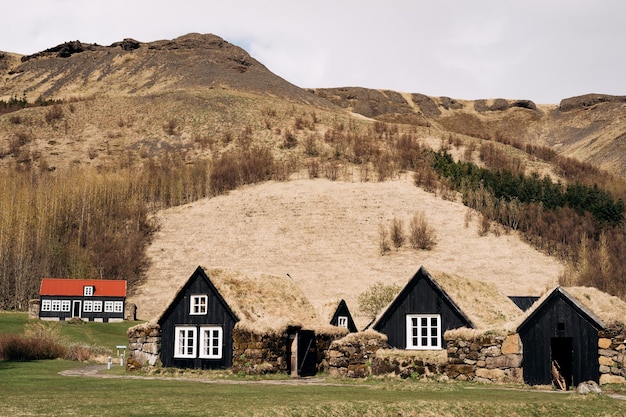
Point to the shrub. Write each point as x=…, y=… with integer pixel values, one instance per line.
x=383, y=240
x=421, y=234
x=396, y=232
x=376, y=297
x=54, y=113
x=38, y=342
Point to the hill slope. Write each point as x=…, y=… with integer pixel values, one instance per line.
x=324, y=234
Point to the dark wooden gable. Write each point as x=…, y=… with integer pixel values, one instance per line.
x=178, y=314
x=560, y=329
x=342, y=310
x=421, y=295
x=524, y=303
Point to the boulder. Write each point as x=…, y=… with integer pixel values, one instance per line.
x=604, y=343
x=511, y=345
x=612, y=379
x=588, y=387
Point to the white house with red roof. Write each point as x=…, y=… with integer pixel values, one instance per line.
x=86, y=299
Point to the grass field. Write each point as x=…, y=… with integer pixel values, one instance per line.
x=107, y=335
x=37, y=389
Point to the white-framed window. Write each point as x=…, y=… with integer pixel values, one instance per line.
x=185, y=342
x=88, y=290
x=46, y=305
x=211, y=342
x=56, y=305
x=65, y=305
x=97, y=306
x=423, y=331
x=87, y=306
x=342, y=321
x=108, y=306
x=118, y=306
x=198, y=304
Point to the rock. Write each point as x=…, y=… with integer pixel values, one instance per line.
x=506, y=361
x=588, y=387
x=511, y=345
x=603, y=360
x=604, y=343
x=612, y=379
x=496, y=375
x=132, y=365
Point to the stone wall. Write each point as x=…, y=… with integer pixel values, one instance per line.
x=351, y=356
x=485, y=359
x=256, y=353
x=612, y=355
x=266, y=353
x=144, y=345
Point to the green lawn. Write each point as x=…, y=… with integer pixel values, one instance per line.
x=36, y=389
x=107, y=335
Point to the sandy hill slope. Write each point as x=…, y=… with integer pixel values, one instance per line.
x=324, y=234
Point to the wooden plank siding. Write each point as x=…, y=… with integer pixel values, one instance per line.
x=557, y=318
x=178, y=314
x=90, y=316
x=422, y=295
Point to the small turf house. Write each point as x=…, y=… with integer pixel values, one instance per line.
x=197, y=326
x=85, y=299
x=563, y=331
x=420, y=313
x=253, y=324
x=429, y=305
x=341, y=317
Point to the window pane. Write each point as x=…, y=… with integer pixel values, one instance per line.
x=424, y=321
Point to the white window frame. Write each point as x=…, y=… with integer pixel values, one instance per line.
x=66, y=306
x=185, y=338
x=425, y=332
x=108, y=306
x=46, y=305
x=198, y=305
x=87, y=306
x=342, y=321
x=97, y=306
x=118, y=306
x=56, y=306
x=211, y=344
x=88, y=290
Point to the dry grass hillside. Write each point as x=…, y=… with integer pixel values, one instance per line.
x=324, y=234
x=197, y=99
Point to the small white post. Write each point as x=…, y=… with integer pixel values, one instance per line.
x=109, y=362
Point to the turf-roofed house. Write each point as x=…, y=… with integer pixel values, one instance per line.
x=85, y=299
x=572, y=335
x=222, y=319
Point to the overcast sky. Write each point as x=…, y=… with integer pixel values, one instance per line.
x=542, y=50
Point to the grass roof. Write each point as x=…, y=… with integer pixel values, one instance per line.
x=609, y=309
x=482, y=302
x=265, y=303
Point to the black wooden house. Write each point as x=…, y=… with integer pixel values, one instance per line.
x=197, y=327
x=342, y=317
x=85, y=299
x=559, y=331
x=420, y=314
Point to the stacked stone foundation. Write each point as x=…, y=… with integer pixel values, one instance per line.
x=612, y=355
x=144, y=345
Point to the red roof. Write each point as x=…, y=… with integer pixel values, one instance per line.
x=75, y=287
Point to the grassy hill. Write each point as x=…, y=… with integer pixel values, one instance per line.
x=114, y=157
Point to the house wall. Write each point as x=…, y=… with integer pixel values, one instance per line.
x=217, y=314
x=86, y=316
x=421, y=299
x=557, y=319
